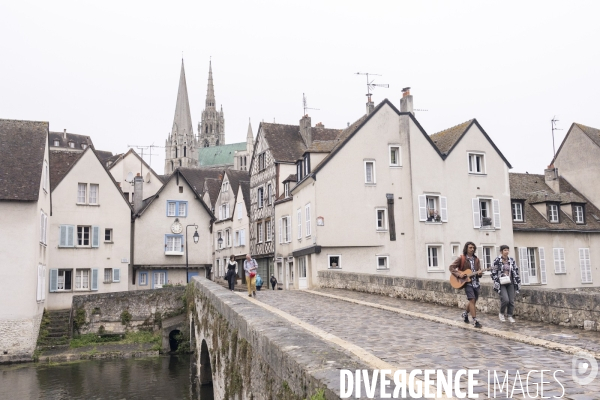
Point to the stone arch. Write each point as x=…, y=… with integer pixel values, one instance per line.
x=173, y=342
x=205, y=369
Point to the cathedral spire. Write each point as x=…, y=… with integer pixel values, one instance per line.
x=249, y=138
x=182, y=122
x=210, y=90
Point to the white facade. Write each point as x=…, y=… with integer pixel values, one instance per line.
x=89, y=234
x=132, y=163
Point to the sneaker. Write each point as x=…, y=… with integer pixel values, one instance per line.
x=501, y=316
x=465, y=316
x=249, y=295
x=511, y=319
x=477, y=324
x=254, y=293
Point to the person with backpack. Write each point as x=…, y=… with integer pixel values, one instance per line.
x=250, y=266
x=507, y=282
x=273, y=281
x=468, y=260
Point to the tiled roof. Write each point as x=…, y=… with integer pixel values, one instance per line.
x=446, y=139
x=219, y=155
x=22, y=145
x=235, y=177
x=61, y=162
x=285, y=142
x=213, y=187
x=291, y=178
x=532, y=188
x=64, y=139
x=246, y=193
x=197, y=176
x=104, y=156
x=593, y=133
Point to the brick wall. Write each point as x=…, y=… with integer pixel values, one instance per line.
x=569, y=307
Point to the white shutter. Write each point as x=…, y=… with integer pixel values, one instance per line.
x=280, y=230
x=307, y=208
x=243, y=237
x=43, y=282
x=585, y=265
x=543, y=276
x=239, y=210
x=422, y=208
x=116, y=275
x=95, y=279
x=95, y=236
x=45, y=229
x=524, y=265
x=227, y=210
x=70, y=236
x=476, y=214
x=559, y=261
x=299, y=224
x=53, y=280
x=41, y=227
x=496, y=208
x=62, y=241
x=288, y=229
x=444, y=208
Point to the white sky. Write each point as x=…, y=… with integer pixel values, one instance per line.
x=110, y=70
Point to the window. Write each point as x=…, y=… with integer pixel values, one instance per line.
x=517, y=211
x=299, y=171
x=260, y=197
x=382, y=262
x=578, y=215
x=434, y=257
x=45, y=179
x=286, y=189
x=43, y=228
x=285, y=229
x=433, y=208
x=41, y=283
x=559, y=261
x=240, y=210
x=381, y=219
x=240, y=237
x=64, y=281
x=82, y=279
x=242, y=160
x=455, y=250
x=307, y=213
x=531, y=261
x=81, y=190
x=370, y=172
x=159, y=278
x=306, y=165
x=299, y=224
x=228, y=237
x=173, y=244
x=259, y=231
x=180, y=189
x=269, y=193
x=108, y=275
x=486, y=213
x=487, y=256
x=585, y=265
x=176, y=208
x=476, y=163
x=56, y=143
x=224, y=211
x=108, y=235
x=261, y=162
x=72, y=145
x=83, y=146
x=395, y=155
x=268, y=230
x=83, y=236
x=143, y=279
x=553, y=213
x=333, y=261
x=94, y=189
x=219, y=243
x=225, y=187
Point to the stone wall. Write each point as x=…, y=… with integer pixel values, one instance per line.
x=249, y=353
x=568, y=307
x=18, y=338
x=144, y=309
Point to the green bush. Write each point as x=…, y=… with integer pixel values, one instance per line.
x=125, y=317
x=79, y=320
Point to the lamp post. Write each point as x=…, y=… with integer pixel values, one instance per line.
x=187, y=249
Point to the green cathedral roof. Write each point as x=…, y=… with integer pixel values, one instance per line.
x=219, y=155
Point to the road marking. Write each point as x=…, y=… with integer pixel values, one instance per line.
x=518, y=337
x=373, y=361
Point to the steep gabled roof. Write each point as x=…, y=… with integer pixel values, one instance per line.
x=592, y=133
x=197, y=176
x=285, y=142
x=104, y=156
x=64, y=138
x=235, y=177
x=61, y=162
x=213, y=187
x=22, y=150
x=532, y=189
x=446, y=139
x=119, y=157
x=245, y=185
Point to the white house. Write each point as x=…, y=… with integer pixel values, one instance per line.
x=128, y=165
x=25, y=200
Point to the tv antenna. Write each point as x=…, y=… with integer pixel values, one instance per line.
x=554, y=128
x=305, y=104
x=142, y=148
x=370, y=85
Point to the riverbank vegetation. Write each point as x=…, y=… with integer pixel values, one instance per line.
x=126, y=338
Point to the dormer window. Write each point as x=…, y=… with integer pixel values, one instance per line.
x=83, y=146
x=553, y=213
x=286, y=189
x=225, y=187
x=299, y=170
x=517, y=211
x=306, y=165
x=578, y=215
x=72, y=145
x=56, y=143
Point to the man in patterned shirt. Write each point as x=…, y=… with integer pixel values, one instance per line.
x=468, y=260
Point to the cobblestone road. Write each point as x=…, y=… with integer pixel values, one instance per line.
x=414, y=343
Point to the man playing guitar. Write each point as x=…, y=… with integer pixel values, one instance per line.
x=468, y=260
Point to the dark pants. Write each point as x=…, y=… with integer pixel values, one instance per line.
x=273, y=285
x=507, y=299
x=231, y=279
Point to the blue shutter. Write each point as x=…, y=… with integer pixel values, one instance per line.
x=116, y=275
x=95, y=236
x=95, y=279
x=70, y=236
x=63, y=236
x=53, y=280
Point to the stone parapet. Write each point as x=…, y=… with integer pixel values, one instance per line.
x=567, y=307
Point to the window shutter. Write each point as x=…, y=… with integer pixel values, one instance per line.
x=243, y=237
x=53, y=280
x=444, y=208
x=62, y=241
x=422, y=208
x=585, y=266
x=95, y=279
x=476, y=214
x=116, y=275
x=70, y=236
x=43, y=282
x=41, y=227
x=559, y=261
x=280, y=230
x=95, y=236
x=45, y=229
x=563, y=267
x=299, y=224
x=227, y=210
x=289, y=229
x=524, y=264
x=496, y=207
x=543, y=276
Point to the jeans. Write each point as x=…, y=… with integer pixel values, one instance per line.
x=507, y=299
x=231, y=280
x=251, y=282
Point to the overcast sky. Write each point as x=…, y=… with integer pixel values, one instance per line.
x=110, y=70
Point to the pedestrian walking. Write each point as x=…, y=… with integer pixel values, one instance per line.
x=259, y=282
x=468, y=260
x=250, y=266
x=273, y=281
x=507, y=282
x=232, y=272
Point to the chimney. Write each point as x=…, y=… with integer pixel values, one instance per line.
x=551, y=178
x=320, y=125
x=406, y=102
x=138, y=185
x=65, y=134
x=370, y=105
x=305, y=130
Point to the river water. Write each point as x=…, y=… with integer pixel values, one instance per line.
x=164, y=377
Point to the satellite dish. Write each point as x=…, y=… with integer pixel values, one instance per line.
x=148, y=177
x=129, y=177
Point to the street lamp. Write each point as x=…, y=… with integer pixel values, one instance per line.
x=187, y=249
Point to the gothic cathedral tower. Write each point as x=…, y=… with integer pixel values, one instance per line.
x=211, y=129
x=181, y=145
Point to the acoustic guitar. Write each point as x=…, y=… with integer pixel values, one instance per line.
x=459, y=283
